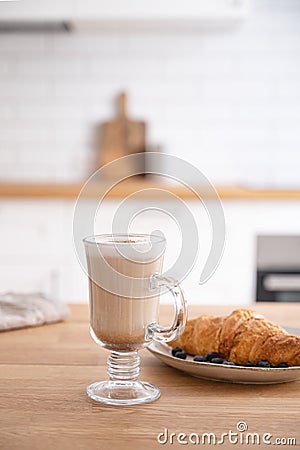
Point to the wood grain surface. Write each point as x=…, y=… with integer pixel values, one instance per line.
x=122, y=190
x=44, y=372
x=121, y=137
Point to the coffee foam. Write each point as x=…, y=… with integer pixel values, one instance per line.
x=140, y=251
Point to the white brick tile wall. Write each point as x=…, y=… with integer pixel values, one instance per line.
x=15, y=46
x=22, y=90
x=228, y=98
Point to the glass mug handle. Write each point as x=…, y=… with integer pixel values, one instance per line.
x=167, y=334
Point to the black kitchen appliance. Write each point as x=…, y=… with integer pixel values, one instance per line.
x=278, y=269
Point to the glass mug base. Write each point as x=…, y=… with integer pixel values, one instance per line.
x=123, y=392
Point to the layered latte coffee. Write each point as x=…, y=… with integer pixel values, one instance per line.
x=120, y=321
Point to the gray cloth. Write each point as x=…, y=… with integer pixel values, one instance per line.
x=29, y=310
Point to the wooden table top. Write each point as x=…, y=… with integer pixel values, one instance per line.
x=126, y=188
x=44, y=372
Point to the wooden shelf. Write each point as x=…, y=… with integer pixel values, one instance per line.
x=71, y=191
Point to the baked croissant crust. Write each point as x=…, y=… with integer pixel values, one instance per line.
x=241, y=336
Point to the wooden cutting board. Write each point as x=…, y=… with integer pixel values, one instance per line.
x=120, y=137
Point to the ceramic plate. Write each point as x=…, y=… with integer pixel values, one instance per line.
x=218, y=372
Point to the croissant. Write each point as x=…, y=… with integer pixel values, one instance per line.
x=241, y=336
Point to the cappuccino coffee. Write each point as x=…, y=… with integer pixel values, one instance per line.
x=120, y=321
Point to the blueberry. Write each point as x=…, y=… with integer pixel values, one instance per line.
x=229, y=363
x=282, y=365
x=263, y=363
x=211, y=355
x=180, y=355
x=249, y=364
x=175, y=350
x=217, y=360
x=199, y=358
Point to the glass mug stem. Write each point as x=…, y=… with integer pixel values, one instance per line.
x=123, y=366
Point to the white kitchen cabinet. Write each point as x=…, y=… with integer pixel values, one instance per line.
x=37, y=253
x=160, y=10
x=32, y=10
x=89, y=13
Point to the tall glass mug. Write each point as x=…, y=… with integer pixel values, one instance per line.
x=125, y=284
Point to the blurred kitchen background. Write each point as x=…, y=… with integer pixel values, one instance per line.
x=217, y=82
